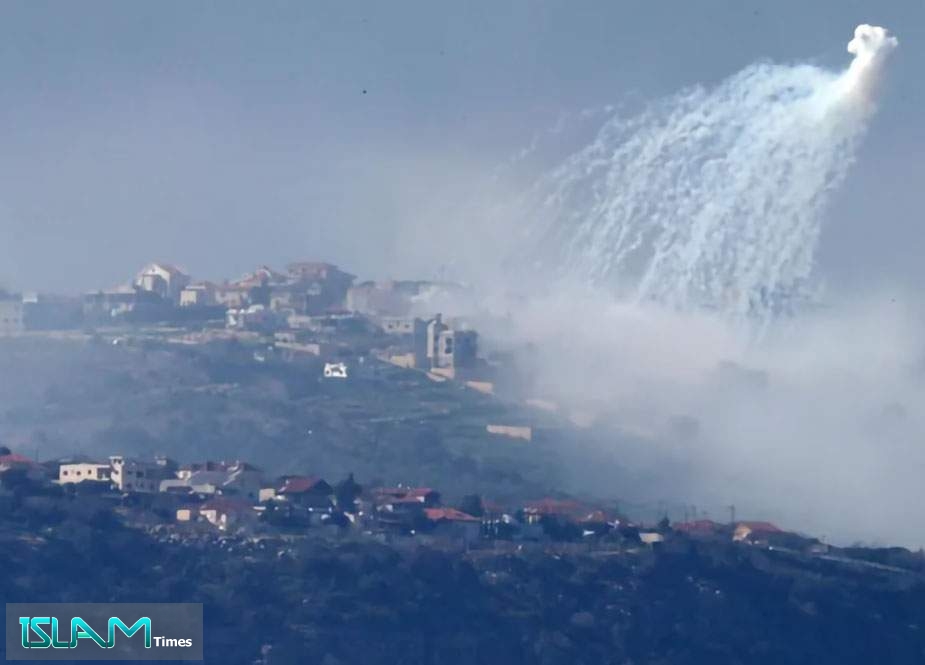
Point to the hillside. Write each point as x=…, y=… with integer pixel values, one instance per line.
x=343, y=601
x=388, y=425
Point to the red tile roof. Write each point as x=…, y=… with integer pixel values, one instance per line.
x=555, y=507
x=419, y=491
x=14, y=458
x=299, y=484
x=760, y=527
x=448, y=515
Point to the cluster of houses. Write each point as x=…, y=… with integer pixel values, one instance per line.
x=237, y=498
x=310, y=307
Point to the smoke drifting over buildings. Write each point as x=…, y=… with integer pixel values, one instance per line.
x=674, y=283
x=659, y=277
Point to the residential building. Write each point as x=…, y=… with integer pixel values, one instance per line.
x=752, y=531
x=262, y=277
x=222, y=512
x=305, y=491
x=322, y=285
x=651, y=538
x=449, y=348
x=561, y=509
x=237, y=478
x=456, y=349
x=453, y=524
x=199, y=294
x=412, y=340
x=232, y=296
x=131, y=475
x=125, y=303
x=21, y=466
x=254, y=317
x=163, y=279
x=78, y=472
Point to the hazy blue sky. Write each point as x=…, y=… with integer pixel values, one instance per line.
x=222, y=135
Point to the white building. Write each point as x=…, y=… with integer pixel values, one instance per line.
x=238, y=478
x=201, y=294
x=220, y=512
x=166, y=280
x=130, y=475
x=78, y=472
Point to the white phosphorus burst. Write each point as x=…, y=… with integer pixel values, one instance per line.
x=712, y=198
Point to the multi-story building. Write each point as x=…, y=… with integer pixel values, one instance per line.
x=163, y=279
x=448, y=348
x=132, y=475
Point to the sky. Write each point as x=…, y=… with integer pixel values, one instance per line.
x=221, y=136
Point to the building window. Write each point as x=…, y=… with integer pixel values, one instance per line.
x=64, y=473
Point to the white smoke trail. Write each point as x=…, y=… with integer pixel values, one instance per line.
x=712, y=198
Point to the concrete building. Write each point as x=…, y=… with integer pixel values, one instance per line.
x=322, y=285
x=14, y=463
x=200, y=294
x=221, y=512
x=237, y=478
x=457, y=349
x=131, y=475
x=452, y=524
x=232, y=296
x=163, y=279
x=79, y=472
x=448, y=348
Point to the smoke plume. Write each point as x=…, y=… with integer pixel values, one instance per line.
x=666, y=292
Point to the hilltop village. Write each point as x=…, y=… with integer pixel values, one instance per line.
x=314, y=317
x=311, y=308
x=322, y=463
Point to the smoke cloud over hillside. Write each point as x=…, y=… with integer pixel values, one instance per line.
x=665, y=288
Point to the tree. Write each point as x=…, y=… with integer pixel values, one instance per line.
x=346, y=492
x=471, y=504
